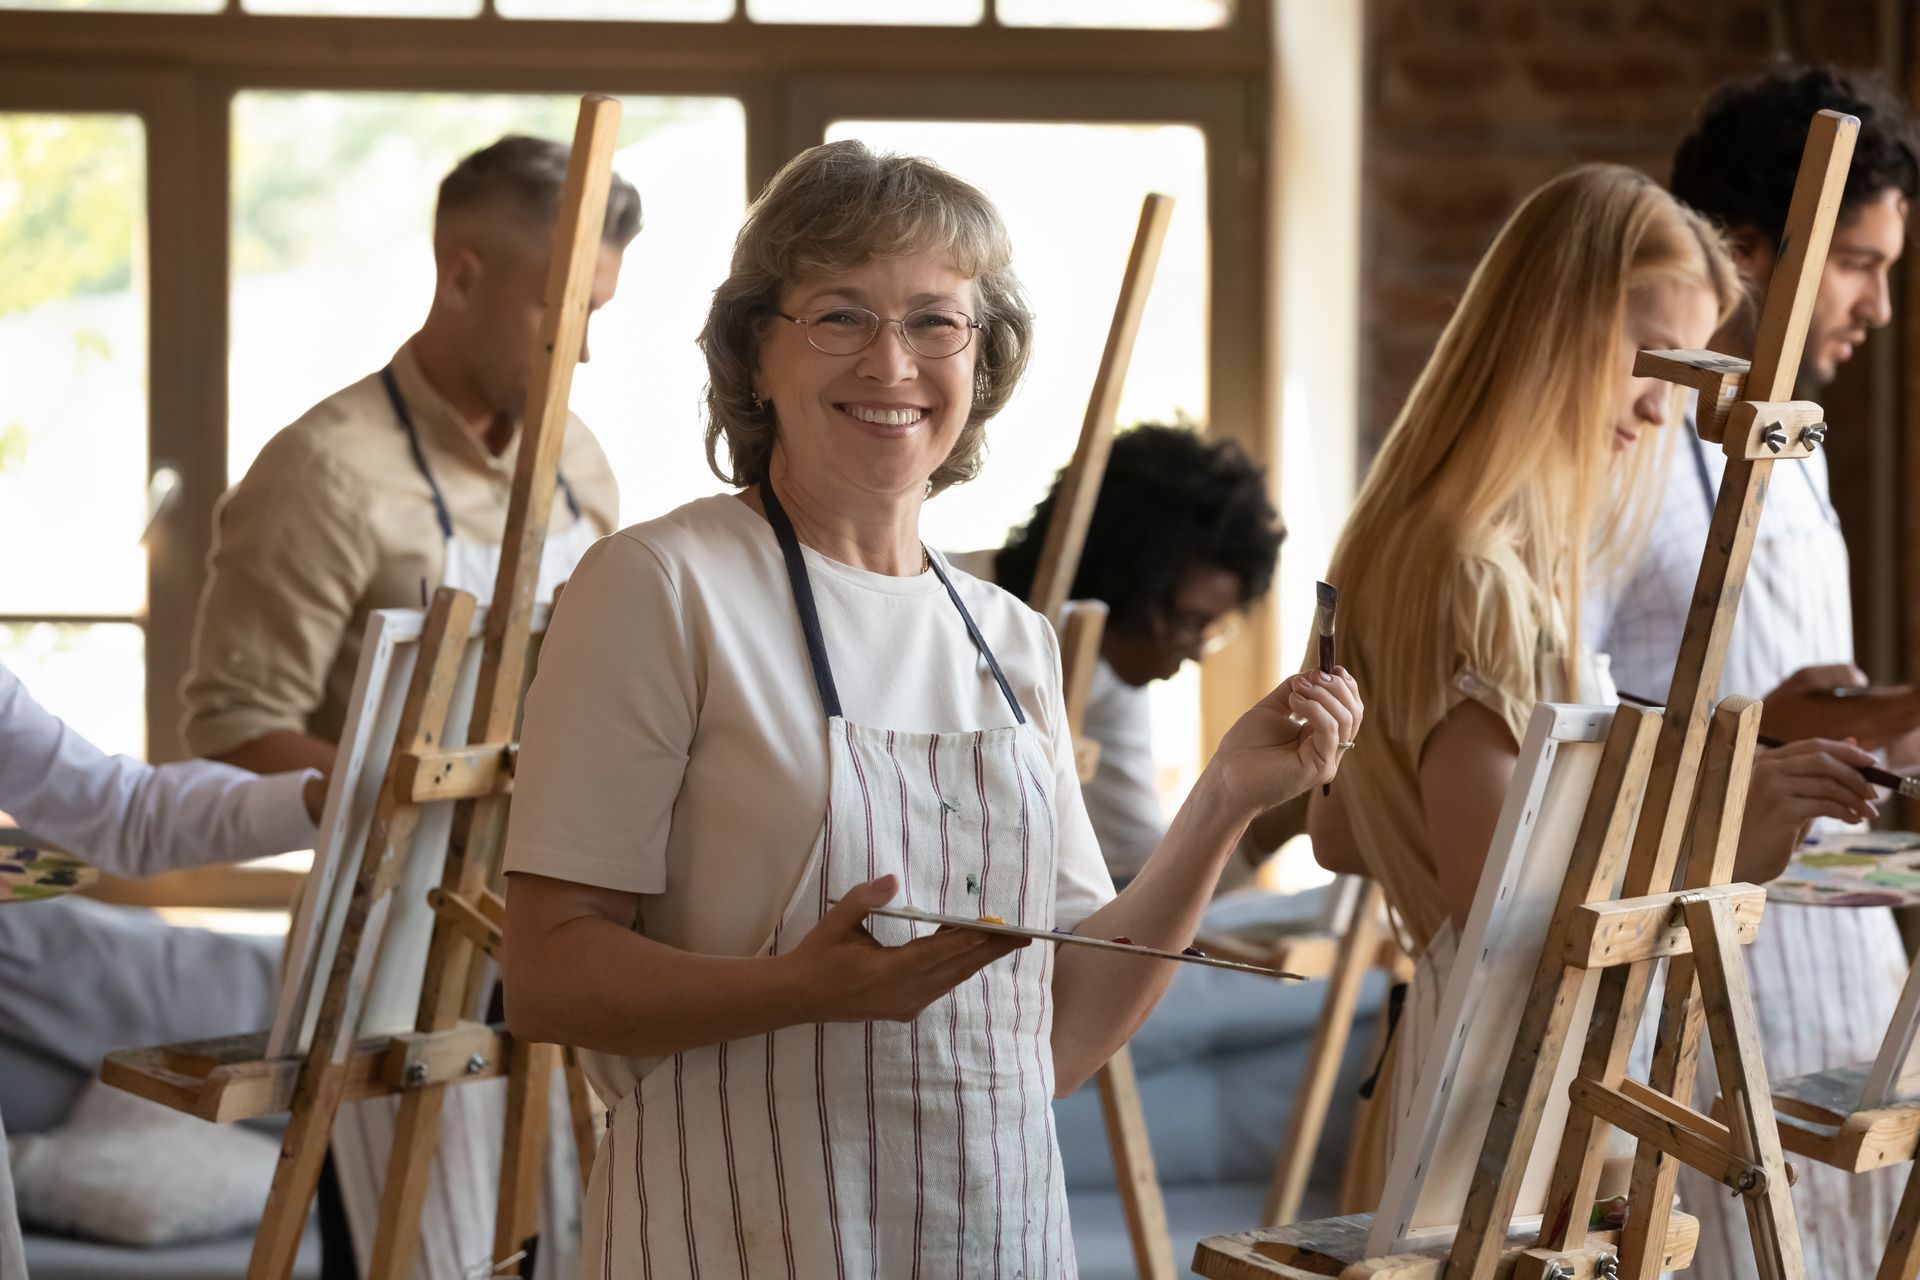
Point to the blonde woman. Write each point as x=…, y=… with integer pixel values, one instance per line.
x=1511, y=481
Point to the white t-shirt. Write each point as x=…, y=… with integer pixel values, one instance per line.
x=674, y=744
x=1122, y=795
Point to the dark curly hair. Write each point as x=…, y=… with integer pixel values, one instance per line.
x=1170, y=501
x=1739, y=163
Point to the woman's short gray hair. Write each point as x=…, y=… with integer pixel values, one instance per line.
x=833, y=208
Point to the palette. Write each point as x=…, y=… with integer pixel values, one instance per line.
x=916, y=916
x=1852, y=869
x=31, y=870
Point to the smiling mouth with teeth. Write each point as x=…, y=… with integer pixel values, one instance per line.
x=885, y=417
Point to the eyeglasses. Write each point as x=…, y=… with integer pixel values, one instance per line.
x=1200, y=635
x=935, y=333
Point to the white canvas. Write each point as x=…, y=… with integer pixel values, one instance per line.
x=404, y=929
x=1440, y=1138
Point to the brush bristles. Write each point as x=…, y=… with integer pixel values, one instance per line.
x=1326, y=593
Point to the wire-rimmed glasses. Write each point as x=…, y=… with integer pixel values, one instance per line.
x=933, y=332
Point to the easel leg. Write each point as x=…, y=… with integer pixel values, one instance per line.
x=523, y=1153
x=1676, y=1058
x=586, y=1141
x=1902, y=1259
x=1309, y=1113
x=1743, y=1084
x=295, y=1178
x=416, y=1131
x=1133, y=1167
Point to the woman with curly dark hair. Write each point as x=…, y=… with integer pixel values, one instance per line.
x=1183, y=538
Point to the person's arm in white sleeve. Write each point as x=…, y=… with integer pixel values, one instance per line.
x=131, y=818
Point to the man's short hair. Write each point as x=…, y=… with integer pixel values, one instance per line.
x=524, y=176
x=1739, y=164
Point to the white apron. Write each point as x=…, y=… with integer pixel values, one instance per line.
x=456, y=1227
x=877, y=1149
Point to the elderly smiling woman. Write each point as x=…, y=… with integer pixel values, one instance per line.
x=768, y=712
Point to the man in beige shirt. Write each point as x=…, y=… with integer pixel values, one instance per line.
x=399, y=483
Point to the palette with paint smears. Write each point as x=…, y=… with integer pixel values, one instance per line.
x=916, y=916
x=31, y=869
x=1853, y=869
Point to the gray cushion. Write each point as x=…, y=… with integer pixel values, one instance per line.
x=1217, y=1083
x=79, y=979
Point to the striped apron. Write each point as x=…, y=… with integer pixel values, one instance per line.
x=883, y=1148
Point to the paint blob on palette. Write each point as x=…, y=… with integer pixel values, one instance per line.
x=1853, y=869
x=31, y=870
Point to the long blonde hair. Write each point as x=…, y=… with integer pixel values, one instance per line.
x=1504, y=449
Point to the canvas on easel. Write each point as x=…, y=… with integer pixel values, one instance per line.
x=387, y=655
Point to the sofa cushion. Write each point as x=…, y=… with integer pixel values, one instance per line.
x=128, y=1171
x=80, y=979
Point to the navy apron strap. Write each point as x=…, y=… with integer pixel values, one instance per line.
x=566, y=491
x=1700, y=466
x=979, y=641
x=802, y=599
x=413, y=444
x=810, y=613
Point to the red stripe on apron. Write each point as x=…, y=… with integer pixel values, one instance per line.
x=953, y=1019
x=913, y=1028
x=686, y=1182
x=640, y=1182
x=986, y=996
x=873, y=1126
x=733, y=1176
x=820, y=1077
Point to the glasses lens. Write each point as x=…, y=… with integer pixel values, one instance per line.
x=841, y=331
x=937, y=333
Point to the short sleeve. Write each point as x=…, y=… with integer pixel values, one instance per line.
x=292, y=558
x=1081, y=882
x=1496, y=644
x=609, y=723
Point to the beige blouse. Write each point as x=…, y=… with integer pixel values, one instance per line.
x=1502, y=656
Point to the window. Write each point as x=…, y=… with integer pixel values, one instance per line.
x=73, y=415
x=1072, y=287
x=333, y=260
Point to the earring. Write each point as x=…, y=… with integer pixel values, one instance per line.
x=759, y=404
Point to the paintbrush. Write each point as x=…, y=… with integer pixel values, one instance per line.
x=1899, y=783
x=1325, y=597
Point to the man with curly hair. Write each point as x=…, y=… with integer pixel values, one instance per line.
x=1182, y=539
x=1825, y=980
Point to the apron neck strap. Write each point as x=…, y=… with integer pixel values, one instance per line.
x=399, y=404
x=810, y=613
x=802, y=599
x=440, y=513
x=979, y=641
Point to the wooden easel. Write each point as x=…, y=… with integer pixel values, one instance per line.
x=1081, y=625
x=1642, y=797
x=1864, y=1117
x=225, y=1080
x=1344, y=958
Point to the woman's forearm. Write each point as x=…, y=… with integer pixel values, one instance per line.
x=1101, y=998
x=559, y=989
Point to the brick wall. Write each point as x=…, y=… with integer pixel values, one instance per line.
x=1470, y=104
x=1473, y=103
